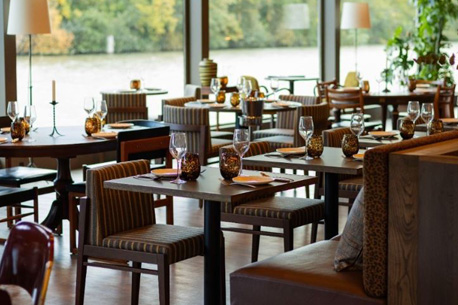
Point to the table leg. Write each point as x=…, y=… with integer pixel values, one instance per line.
x=394, y=117
x=291, y=86
x=384, y=112
x=59, y=207
x=331, y=210
x=212, y=270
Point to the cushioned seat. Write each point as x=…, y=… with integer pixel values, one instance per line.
x=217, y=144
x=271, y=132
x=279, y=141
x=302, y=276
x=298, y=210
x=23, y=175
x=222, y=134
x=178, y=243
x=354, y=184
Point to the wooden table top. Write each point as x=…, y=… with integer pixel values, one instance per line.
x=268, y=107
x=369, y=141
x=400, y=96
x=331, y=161
x=208, y=186
x=147, y=91
x=72, y=143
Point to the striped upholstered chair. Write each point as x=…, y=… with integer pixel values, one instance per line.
x=121, y=225
x=195, y=123
x=285, y=213
x=125, y=106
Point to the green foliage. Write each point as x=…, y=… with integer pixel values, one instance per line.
x=398, y=48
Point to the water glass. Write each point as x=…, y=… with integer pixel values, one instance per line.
x=357, y=124
x=274, y=86
x=221, y=97
x=215, y=85
x=315, y=146
x=241, y=145
x=190, y=169
x=247, y=87
x=306, y=130
x=101, y=110
x=413, y=110
x=350, y=145
x=12, y=110
x=239, y=84
x=30, y=116
x=427, y=112
x=89, y=105
x=178, y=148
x=229, y=163
x=434, y=126
x=17, y=129
x=235, y=99
x=406, y=128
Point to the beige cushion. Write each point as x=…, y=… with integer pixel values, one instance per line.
x=349, y=253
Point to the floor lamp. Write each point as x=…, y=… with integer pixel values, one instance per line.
x=355, y=16
x=28, y=17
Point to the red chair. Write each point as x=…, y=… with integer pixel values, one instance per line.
x=27, y=259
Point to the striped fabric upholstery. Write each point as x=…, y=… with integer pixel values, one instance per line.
x=178, y=243
x=303, y=99
x=179, y=102
x=114, y=211
x=297, y=210
x=272, y=132
x=125, y=106
x=320, y=114
x=278, y=141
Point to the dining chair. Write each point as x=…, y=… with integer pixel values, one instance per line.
x=286, y=213
x=193, y=90
x=130, y=233
x=28, y=259
x=17, y=176
x=195, y=123
x=444, y=102
x=125, y=106
x=320, y=89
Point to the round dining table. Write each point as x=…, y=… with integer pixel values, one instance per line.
x=72, y=143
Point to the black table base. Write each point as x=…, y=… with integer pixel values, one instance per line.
x=331, y=210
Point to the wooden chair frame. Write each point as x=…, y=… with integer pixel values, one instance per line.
x=444, y=101
x=344, y=99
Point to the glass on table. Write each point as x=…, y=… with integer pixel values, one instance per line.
x=221, y=97
x=215, y=85
x=306, y=129
x=101, y=110
x=357, y=124
x=406, y=128
x=350, y=145
x=89, y=105
x=30, y=116
x=427, y=112
x=413, y=110
x=190, y=169
x=235, y=99
x=315, y=146
x=239, y=84
x=12, y=110
x=178, y=148
x=229, y=163
x=247, y=87
x=434, y=126
x=18, y=129
x=274, y=85
x=241, y=144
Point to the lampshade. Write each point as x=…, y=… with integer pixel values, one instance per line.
x=355, y=16
x=28, y=17
x=296, y=16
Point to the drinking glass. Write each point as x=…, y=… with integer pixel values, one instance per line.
x=427, y=112
x=241, y=144
x=379, y=80
x=89, y=105
x=13, y=110
x=413, y=110
x=247, y=87
x=101, y=110
x=215, y=85
x=30, y=116
x=306, y=131
x=357, y=124
x=178, y=148
x=239, y=85
x=274, y=86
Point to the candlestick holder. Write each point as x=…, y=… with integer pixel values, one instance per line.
x=54, y=129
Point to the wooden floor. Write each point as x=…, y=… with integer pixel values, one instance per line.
x=186, y=278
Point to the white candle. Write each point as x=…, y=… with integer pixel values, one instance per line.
x=53, y=90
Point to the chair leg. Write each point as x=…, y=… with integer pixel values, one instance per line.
x=288, y=239
x=314, y=232
x=223, y=272
x=72, y=217
x=81, y=271
x=18, y=211
x=9, y=214
x=169, y=210
x=35, y=206
x=201, y=204
x=135, y=284
x=164, y=280
x=255, y=244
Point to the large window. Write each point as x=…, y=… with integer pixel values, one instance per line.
x=102, y=44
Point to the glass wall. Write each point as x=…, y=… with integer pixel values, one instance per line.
x=99, y=45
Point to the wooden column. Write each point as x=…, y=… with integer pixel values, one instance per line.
x=7, y=61
x=196, y=37
x=329, y=39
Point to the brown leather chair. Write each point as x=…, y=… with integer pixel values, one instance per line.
x=444, y=102
x=28, y=259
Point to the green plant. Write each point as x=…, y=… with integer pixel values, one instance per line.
x=398, y=53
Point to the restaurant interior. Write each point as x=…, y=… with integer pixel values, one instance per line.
x=289, y=152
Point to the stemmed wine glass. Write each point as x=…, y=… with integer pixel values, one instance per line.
x=379, y=80
x=178, y=148
x=427, y=112
x=274, y=86
x=215, y=85
x=13, y=110
x=101, y=110
x=357, y=124
x=306, y=131
x=240, y=82
x=247, y=87
x=413, y=109
x=241, y=145
x=30, y=116
x=89, y=105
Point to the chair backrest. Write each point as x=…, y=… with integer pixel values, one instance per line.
x=285, y=119
x=345, y=98
x=376, y=194
x=113, y=211
x=28, y=259
x=195, y=123
x=125, y=106
x=148, y=148
x=303, y=99
x=5, y=121
x=193, y=90
x=179, y=101
x=444, y=102
x=321, y=89
x=333, y=137
x=439, y=82
x=351, y=80
x=254, y=82
x=320, y=114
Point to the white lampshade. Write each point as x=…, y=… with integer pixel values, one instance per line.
x=355, y=16
x=28, y=17
x=296, y=16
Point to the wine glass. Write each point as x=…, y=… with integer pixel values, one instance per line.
x=101, y=110
x=427, y=112
x=13, y=110
x=274, y=86
x=30, y=116
x=306, y=131
x=239, y=85
x=357, y=124
x=178, y=148
x=241, y=144
x=215, y=85
x=379, y=80
x=89, y=105
x=247, y=87
x=413, y=109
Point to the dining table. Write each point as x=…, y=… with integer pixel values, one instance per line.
x=72, y=143
x=369, y=141
x=209, y=188
x=332, y=163
x=291, y=79
x=147, y=91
